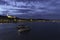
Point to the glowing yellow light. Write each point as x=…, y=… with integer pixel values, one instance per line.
x=14, y=19
x=30, y=19
x=9, y=16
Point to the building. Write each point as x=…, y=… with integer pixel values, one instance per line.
x=10, y=16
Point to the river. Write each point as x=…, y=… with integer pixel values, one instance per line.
x=39, y=31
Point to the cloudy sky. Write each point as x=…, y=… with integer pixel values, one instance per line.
x=31, y=8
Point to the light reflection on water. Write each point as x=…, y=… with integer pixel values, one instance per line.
x=39, y=31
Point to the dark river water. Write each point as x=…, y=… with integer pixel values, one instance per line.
x=39, y=31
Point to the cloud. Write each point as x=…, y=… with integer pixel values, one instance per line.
x=31, y=0
x=2, y=2
x=33, y=7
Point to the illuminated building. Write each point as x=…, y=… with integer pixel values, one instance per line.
x=10, y=16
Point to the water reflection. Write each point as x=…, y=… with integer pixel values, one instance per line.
x=23, y=36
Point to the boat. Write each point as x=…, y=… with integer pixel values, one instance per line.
x=23, y=28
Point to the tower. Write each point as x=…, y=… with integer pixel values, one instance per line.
x=7, y=14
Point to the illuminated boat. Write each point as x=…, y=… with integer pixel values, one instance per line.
x=22, y=28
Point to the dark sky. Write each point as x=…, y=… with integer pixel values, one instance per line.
x=35, y=8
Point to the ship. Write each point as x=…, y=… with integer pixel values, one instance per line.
x=23, y=28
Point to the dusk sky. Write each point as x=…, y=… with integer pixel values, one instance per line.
x=31, y=8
